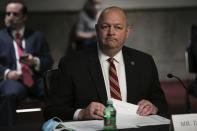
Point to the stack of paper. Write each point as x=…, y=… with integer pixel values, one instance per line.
x=126, y=118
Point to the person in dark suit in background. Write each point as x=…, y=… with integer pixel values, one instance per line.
x=83, y=79
x=24, y=56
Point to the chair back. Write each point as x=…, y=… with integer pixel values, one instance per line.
x=49, y=78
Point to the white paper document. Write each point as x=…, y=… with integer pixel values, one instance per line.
x=136, y=121
x=126, y=121
x=126, y=117
x=124, y=107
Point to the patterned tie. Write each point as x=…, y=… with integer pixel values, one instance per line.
x=113, y=80
x=27, y=77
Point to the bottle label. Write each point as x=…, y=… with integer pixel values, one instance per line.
x=110, y=120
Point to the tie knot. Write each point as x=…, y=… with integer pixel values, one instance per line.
x=111, y=60
x=18, y=38
x=18, y=35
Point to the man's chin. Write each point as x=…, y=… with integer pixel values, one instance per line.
x=112, y=45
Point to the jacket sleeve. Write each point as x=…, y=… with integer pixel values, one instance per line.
x=156, y=95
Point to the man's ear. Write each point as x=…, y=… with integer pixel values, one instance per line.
x=128, y=31
x=97, y=29
x=25, y=17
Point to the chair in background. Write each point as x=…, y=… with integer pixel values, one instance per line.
x=49, y=78
x=31, y=109
x=72, y=45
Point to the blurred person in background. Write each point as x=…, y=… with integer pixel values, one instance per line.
x=84, y=31
x=24, y=56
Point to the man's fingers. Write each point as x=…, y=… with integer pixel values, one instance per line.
x=146, y=108
x=98, y=109
x=146, y=111
x=98, y=113
x=93, y=111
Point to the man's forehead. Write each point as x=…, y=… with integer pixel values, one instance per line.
x=114, y=10
x=14, y=6
x=111, y=23
x=112, y=20
x=114, y=15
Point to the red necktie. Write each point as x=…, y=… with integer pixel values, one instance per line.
x=113, y=80
x=27, y=77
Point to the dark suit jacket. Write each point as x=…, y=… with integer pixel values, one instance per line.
x=80, y=82
x=35, y=45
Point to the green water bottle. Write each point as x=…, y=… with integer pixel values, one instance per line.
x=109, y=116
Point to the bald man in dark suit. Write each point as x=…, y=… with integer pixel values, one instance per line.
x=83, y=85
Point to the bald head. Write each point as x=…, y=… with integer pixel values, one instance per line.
x=112, y=30
x=116, y=10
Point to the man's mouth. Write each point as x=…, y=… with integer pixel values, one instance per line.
x=110, y=39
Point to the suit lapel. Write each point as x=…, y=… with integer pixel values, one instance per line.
x=96, y=74
x=131, y=75
x=9, y=39
x=28, y=41
x=131, y=70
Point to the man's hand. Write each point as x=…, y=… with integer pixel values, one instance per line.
x=13, y=75
x=29, y=60
x=146, y=108
x=89, y=111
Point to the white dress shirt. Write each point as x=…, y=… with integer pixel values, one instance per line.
x=120, y=68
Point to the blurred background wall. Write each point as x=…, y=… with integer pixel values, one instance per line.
x=159, y=27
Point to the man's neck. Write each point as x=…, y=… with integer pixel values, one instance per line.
x=110, y=52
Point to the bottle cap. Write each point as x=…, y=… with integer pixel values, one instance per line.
x=109, y=101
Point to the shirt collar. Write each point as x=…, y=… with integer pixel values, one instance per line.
x=103, y=57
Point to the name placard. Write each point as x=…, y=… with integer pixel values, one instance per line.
x=185, y=122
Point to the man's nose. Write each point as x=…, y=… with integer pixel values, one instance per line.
x=111, y=30
x=11, y=15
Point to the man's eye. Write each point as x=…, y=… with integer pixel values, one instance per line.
x=119, y=27
x=105, y=26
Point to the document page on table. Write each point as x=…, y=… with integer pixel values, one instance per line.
x=124, y=107
x=126, y=117
x=124, y=121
